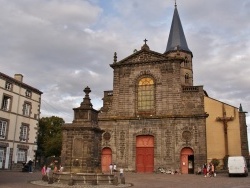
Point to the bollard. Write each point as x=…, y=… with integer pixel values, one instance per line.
x=71, y=182
x=122, y=180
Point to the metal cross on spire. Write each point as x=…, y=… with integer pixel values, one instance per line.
x=145, y=40
x=175, y=3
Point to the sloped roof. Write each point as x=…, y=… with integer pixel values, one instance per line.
x=176, y=39
x=21, y=84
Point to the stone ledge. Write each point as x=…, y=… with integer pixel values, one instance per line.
x=58, y=184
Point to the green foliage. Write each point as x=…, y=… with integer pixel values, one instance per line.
x=49, y=139
x=215, y=162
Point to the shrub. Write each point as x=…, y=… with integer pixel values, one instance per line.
x=215, y=162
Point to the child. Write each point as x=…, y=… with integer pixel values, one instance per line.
x=121, y=172
x=44, y=174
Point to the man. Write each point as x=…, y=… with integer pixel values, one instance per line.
x=30, y=165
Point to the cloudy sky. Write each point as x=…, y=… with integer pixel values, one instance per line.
x=62, y=46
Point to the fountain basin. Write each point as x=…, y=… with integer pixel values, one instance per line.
x=83, y=178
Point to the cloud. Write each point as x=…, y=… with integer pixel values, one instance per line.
x=62, y=46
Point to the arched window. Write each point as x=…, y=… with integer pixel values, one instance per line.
x=186, y=63
x=186, y=78
x=146, y=94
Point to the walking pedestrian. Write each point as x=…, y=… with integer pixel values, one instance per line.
x=30, y=165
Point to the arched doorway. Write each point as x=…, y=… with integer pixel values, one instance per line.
x=187, y=161
x=106, y=159
x=145, y=153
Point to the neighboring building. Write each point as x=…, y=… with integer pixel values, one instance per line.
x=226, y=130
x=19, y=115
x=155, y=117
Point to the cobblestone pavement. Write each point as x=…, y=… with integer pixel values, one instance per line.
x=10, y=179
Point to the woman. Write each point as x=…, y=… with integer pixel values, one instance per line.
x=205, y=170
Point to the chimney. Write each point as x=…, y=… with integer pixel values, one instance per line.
x=19, y=77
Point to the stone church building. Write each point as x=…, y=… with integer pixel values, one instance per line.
x=154, y=117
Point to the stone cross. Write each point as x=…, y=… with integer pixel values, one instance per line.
x=224, y=119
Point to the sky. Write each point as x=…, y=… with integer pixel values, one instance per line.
x=62, y=46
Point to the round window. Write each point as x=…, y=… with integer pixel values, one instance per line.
x=106, y=136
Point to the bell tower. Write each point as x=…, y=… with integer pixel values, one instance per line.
x=177, y=46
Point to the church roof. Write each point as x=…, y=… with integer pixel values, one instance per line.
x=142, y=56
x=176, y=39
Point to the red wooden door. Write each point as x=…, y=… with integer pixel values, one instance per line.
x=184, y=164
x=145, y=154
x=185, y=153
x=106, y=159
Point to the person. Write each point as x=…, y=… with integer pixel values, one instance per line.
x=55, y=169
x=212, y=170
x=199, y=170
x=44, y=174
x=111, y=168
x=205, y=170
x=121, y=172
x=61, y=168
x=114, y=168
x=48, y=170
x=209, y=170
x=30, y=165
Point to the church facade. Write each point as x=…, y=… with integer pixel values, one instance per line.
x=155, y=117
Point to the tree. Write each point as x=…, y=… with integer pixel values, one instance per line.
x=49, y=139
x=215, y=162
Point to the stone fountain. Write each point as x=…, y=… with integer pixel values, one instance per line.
x=81, y=148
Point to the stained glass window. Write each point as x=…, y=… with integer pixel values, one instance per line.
x=146, y=94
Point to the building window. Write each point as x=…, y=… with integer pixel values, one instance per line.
x=26, y=109
x=186, y=78
x=146, y=92
x=186, y=63
x=3, y=128
x=8, y=86
x=21, y=155
x=24, y=133
x=6, y=103
x=28, y=93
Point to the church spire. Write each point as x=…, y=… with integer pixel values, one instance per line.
x=176, y=39
x=241, y=109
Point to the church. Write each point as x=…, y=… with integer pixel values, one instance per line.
x=154, y=116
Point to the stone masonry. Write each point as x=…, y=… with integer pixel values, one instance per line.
x=177, y=121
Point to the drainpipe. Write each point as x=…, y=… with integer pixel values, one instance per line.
x=13, y=143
